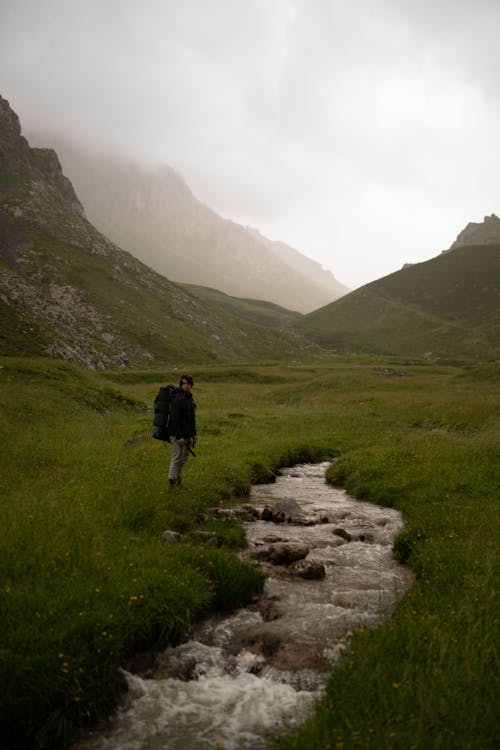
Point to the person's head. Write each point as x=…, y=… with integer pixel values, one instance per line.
x=186, y=382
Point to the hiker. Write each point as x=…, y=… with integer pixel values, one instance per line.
x=181, y=428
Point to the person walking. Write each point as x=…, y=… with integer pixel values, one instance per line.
x=181, y=429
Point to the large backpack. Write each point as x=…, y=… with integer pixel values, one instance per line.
x=162, y=406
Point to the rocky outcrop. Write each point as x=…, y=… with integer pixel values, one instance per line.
x=486, y=232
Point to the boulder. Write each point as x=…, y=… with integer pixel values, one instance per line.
x=267, y=513
x=171, y=536
x=287, y=510
x=282, y=553
x=310, y=569
x=288, y=506
x=343, y=533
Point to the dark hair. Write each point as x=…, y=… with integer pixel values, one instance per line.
x=187, y=378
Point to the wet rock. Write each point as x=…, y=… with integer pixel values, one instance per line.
x=287, y=510
x=343, y=533
x=365, y=537
x=292, y=657
x=171, y=536
x=282, y=553
x=263, y=641
x=272, y=539
x=247, y=512
x=288, y=506
x=279, y=517
x=267, y=513
x=310, y=569
x=301, y=520
x=269, y=609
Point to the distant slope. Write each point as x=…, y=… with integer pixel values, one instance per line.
x=446, y=307
x=66, y=291
x=153, y=214
x=254, y=310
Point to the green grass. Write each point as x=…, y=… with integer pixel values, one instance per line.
x=254, y=310
x=443, y=309
x=87, y=580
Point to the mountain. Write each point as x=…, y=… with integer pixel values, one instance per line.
x=67, y=291
x=153, y=214
x=486, y=232
x=447, y=307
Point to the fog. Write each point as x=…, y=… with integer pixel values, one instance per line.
x=362, y=132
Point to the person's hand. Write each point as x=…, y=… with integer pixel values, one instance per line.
x=195, y=439
x=180, y=441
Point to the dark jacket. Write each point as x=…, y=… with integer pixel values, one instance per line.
x=182, y=416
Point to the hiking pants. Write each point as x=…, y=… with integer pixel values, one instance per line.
x=180, y=454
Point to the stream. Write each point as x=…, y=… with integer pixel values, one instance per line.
x=330, y=572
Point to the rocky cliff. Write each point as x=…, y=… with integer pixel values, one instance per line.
x=486, y=232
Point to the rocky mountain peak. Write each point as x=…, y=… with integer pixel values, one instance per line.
x=34, y=184
x=14, y=149
x=9, y=121
x=486, y=232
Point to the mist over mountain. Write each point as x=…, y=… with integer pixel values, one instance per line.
x=153, y=214
x=67, y=291
x=444, y=308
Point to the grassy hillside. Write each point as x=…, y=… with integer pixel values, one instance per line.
x=254, y=310
x=100, y=311
x=87, y=579
x=445, y=308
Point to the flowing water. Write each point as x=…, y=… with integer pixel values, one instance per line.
x=245, y=675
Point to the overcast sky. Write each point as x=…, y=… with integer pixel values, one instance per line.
x=365, y=133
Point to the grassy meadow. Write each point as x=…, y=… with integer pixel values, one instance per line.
x=87, y=581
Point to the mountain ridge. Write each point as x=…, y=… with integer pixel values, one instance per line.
x=67, y=291
x=443, y=308
x=152, y=213
x=486, y=232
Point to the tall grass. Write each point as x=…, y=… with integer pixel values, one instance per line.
x=87, y=579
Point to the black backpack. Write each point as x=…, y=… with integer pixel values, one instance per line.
x=162, y=406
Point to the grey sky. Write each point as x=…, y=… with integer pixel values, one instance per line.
x=362, y=132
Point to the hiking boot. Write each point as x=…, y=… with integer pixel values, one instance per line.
x=173, y=482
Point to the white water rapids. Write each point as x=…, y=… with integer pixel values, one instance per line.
x=245, y=675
